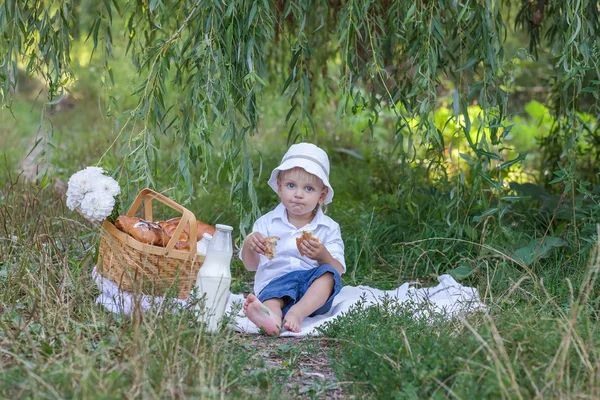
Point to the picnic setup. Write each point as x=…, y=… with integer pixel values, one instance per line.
x=350, y=199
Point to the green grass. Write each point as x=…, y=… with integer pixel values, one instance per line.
x=530, y=345
x=540, y=339
x=56, y=342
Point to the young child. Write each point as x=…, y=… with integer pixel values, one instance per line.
x=292, y=286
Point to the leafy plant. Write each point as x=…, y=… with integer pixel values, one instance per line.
x=203, y=68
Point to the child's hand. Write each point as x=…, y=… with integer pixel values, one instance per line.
x=256, y=242
x=315, y=251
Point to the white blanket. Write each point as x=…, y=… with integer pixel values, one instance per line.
x=449, y=299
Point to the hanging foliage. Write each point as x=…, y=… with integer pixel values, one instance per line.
x=206, y=63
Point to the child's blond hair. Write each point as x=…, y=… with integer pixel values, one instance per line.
x=299, y=173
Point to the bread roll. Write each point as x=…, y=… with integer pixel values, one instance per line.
x=125, y=223
x=147, y=232
x=201, y=227
x=204, y=228
x=169, y=228
x=159, y=233
x=306, y=235
x=141, y=230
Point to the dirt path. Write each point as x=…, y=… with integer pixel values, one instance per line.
x=32, y=165
x=304, y=364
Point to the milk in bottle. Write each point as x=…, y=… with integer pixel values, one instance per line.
x=214, y=278
x=202, y=244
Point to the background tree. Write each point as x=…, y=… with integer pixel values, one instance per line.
x=206, y=64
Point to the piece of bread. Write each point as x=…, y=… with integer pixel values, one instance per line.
x=159, y=233
x=125, y=223
x=271, y=245
x=201, y=227
x=140, y=230
x=306, y=235
x=204, y=228
x=169, y=228
x=147, y=232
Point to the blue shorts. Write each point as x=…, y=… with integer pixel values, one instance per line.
x=292, y=286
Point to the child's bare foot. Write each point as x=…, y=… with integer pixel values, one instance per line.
x=262, y=317
x=292, y=321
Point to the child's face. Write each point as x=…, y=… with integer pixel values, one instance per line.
x=299, y=191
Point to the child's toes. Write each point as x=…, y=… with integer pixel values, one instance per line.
x=291, y=324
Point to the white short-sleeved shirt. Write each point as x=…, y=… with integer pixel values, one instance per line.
x=287, y=257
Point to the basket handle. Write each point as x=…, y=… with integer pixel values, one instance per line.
x=187, y=217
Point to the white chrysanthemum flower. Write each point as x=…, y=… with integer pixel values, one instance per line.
x=80, y=183
x=97, y=206
x=106, y=185
x=92, y=193
x=94, y=171
x=74, y=197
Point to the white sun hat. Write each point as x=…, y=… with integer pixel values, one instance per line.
x=308, y=157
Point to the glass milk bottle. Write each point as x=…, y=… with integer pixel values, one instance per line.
x=214, y=278
x=202, y=245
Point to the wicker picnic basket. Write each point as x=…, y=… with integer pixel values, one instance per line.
x=142, y=268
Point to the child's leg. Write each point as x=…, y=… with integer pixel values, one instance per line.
x=265, y=315
x=316, y=295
